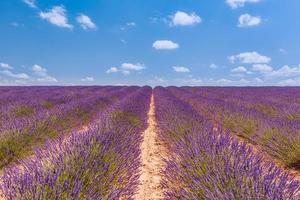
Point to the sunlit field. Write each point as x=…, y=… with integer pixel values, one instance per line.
x=116, y=142
x=149, y=100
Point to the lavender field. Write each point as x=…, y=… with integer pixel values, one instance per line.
x=129, y=142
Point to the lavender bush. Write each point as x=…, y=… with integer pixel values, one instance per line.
x=267, y=117
x=207, y=163
x=27, y=122
x=101, y=163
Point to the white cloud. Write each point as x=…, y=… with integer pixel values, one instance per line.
x=191, y=81
x=249, y=58
x=224, y=81
x=290, y=82
x=239, y=82
x=42, y=74
x=87, y=79
x=125, y=72
x=247, y=20
x=17, y=76
x=86, y=22
x=262, y=68
x=57, y=16
x=239, y=3
x=243, y=81
x=157, y=80
x=127, y=26
x=5, y=66
x=112, y=70
x=282, y=51
x=271, y=73
x=184, y=19
x=258, y=80
x=240, y=69
x=165, y=44
x=126, y=68
x=213, y=66
x=38, y=69
x=123, y=41
x=285, y=71
x=16, y=24
x=30, y=3
x=131, y=24
x=129, y=66
x=181, y=69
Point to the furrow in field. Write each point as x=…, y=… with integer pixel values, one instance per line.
x=152, y=154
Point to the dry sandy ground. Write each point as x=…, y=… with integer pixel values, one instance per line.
x=152, y=154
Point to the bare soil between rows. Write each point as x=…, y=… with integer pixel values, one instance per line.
x=153, y=153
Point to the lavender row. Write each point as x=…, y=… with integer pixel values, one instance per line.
x=19, y=135
x=207, y=163
x=101, y=163
x=21, y=106
x=268, y=117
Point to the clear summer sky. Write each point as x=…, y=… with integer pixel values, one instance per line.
x=150, y=42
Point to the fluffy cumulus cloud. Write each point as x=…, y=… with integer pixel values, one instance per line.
x=181, y=18
x=112, y=70
x=30, y=3
x=165, y=44
x=157, y=80
x=127, y=26
x=87, y=79
x=285, y=71
x=240, y=3
x=126, y=68
x=5, y=66
x=282, y=51
x=191, y=81
x=239, y=82
x=131, y=24
x=224, y=81
x=10, y=74
x=181, y=69
x=283, y=76
x=249, y=58
x=86, y=22
x=42, y=74
x=213, y=66
x=247, y=20
x=290, y=82
x=262, y=68
x=57, y=16
x=130, y=66
x=239, y=69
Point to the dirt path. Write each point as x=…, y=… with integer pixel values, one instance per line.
x=152, y=154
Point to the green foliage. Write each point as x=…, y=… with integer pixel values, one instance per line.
x=47, y=104
x=16, y=145
x=282, y=147
x=267, y=109
x=82, y=114
x=23, y=111
x=130, y=117
x=91, y=179
x=293, y=116
x=230, y=121
x=242, y=126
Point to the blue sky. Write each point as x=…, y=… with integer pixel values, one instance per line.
x=154, y=42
